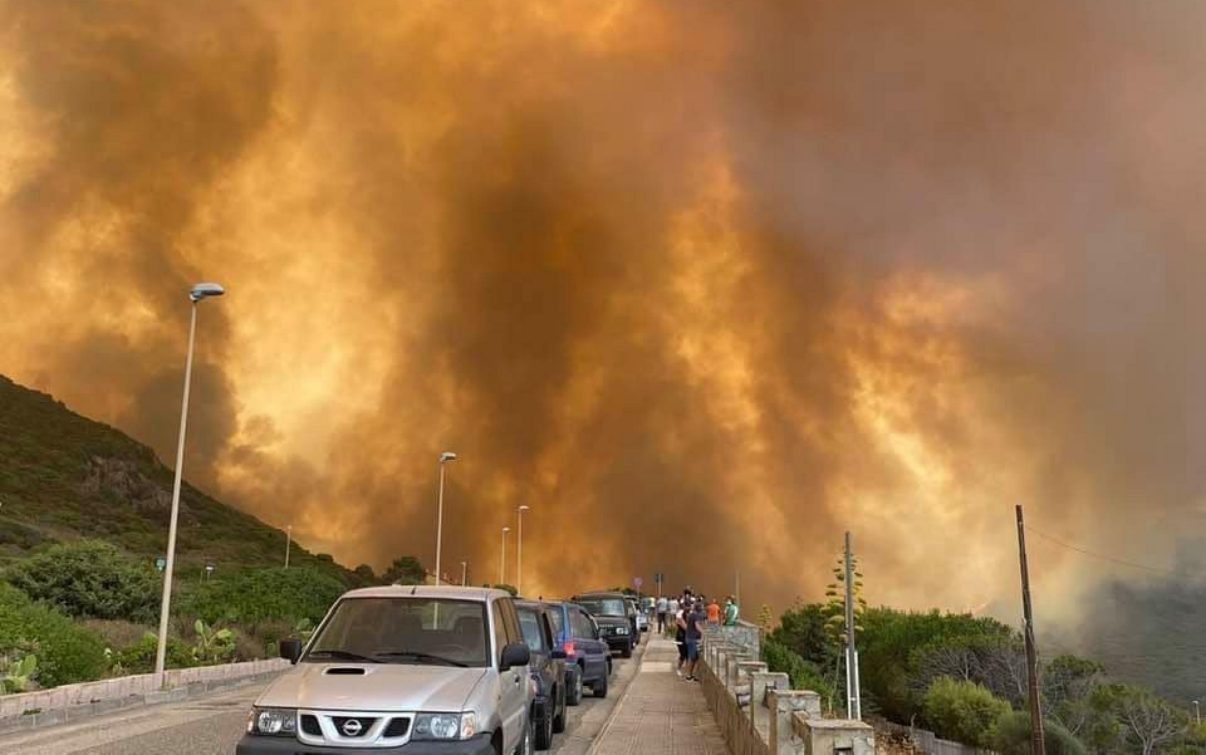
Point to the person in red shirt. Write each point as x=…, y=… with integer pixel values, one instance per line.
x=713, y=612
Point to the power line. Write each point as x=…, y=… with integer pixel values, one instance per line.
x=1103, y=557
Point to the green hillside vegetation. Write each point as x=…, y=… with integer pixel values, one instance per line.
x=63, y=477
x=963, y=677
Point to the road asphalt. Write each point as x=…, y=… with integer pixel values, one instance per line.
x=213, y=724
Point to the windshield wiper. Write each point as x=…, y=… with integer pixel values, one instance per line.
x=421, y=657
x=342, y=655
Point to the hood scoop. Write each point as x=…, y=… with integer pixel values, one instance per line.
x=344, y=671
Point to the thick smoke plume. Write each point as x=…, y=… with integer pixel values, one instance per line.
x=704, y=283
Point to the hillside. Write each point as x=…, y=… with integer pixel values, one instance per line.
x=63, y=476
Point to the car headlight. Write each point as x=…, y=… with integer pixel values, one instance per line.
x=621, y=630
x=272, y=722
x=444, y=726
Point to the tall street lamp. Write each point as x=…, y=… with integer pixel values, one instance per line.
x=502, y=558
x=445, y=457
x=464, y=572
x=1197, y=712
x=519, y=550
x=288, y=543
x=198, y=292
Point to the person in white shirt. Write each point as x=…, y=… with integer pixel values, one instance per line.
x=663, y=606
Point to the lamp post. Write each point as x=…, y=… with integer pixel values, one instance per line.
x=464, y=572
x=502, y=558
x=198, y=292
x=519, y=550
x=288, y=543
x=1197, y=712
x=445, y=457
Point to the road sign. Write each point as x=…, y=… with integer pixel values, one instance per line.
x=637, y=582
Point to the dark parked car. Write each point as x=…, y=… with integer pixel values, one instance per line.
x=548, y=670
x=616, y=622
x=588, y=657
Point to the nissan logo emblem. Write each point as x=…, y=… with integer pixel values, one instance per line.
x=351, y=727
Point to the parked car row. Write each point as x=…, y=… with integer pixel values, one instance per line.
x=421, y=669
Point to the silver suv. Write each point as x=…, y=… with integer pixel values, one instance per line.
x=412, y=670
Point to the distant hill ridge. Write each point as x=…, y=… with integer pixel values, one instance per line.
x=64, y=476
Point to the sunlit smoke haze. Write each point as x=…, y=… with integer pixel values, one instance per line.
x=705, y=284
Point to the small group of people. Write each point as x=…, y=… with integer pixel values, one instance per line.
x=689, y=613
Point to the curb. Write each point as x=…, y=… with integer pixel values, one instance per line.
x=58, y=716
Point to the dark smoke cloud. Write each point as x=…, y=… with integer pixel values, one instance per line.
x=704, y=284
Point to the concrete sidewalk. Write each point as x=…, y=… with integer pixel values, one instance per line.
x=661, y=713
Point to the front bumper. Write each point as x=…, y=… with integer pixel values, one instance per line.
x=618, y=641
x=258, y=745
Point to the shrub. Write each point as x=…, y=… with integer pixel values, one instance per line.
x=66, y=652
x=117, y=634
x=1011, y=736
x=254, y=596
x=139, y=658
x=803, y=674
x=90, y=579
x=963, y=711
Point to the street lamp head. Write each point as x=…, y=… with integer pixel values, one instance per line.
x=506, y=530
x=205, y=290
x=524, y=508
x=447, y=456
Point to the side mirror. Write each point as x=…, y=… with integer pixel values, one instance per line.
x=558, y=655
x=291, y=650
x=515, y=654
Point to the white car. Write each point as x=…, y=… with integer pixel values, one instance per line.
x=415, y=670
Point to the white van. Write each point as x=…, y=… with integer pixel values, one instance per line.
x=412, y=670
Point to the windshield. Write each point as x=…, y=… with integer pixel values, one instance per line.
x=604, y=606
x=403, y=630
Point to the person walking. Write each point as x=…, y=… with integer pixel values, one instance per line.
x=672, y=609
x=680, y=636
x=662, y=606
x=713, y=613
x=693, y=633
x=731, y=612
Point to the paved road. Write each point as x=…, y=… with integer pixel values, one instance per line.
x=213, y=724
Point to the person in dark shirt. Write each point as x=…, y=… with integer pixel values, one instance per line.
x=694, y=619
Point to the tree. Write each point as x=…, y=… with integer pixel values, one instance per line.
x=90, y=579
x=365, y=575
x=766, y=619
x=1068, y=683
x=963, y=711
x=405, y=570
x=1149, y=721
x=1011, y=736
x=995, y=661
x=509, y=588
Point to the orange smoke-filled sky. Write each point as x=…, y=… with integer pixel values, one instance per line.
x=705, y=284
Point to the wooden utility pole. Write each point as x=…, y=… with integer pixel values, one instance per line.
x=1037, y=744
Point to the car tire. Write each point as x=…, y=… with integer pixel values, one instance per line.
x=599, y=688
x=544, y=730
x=559, y=713
x=574, y=695
x=627, y=651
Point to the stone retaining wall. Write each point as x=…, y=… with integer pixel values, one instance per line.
x=757, y=712
x=59, y=702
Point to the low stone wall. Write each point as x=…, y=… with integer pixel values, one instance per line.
x=59, y=703
x=757, y=712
